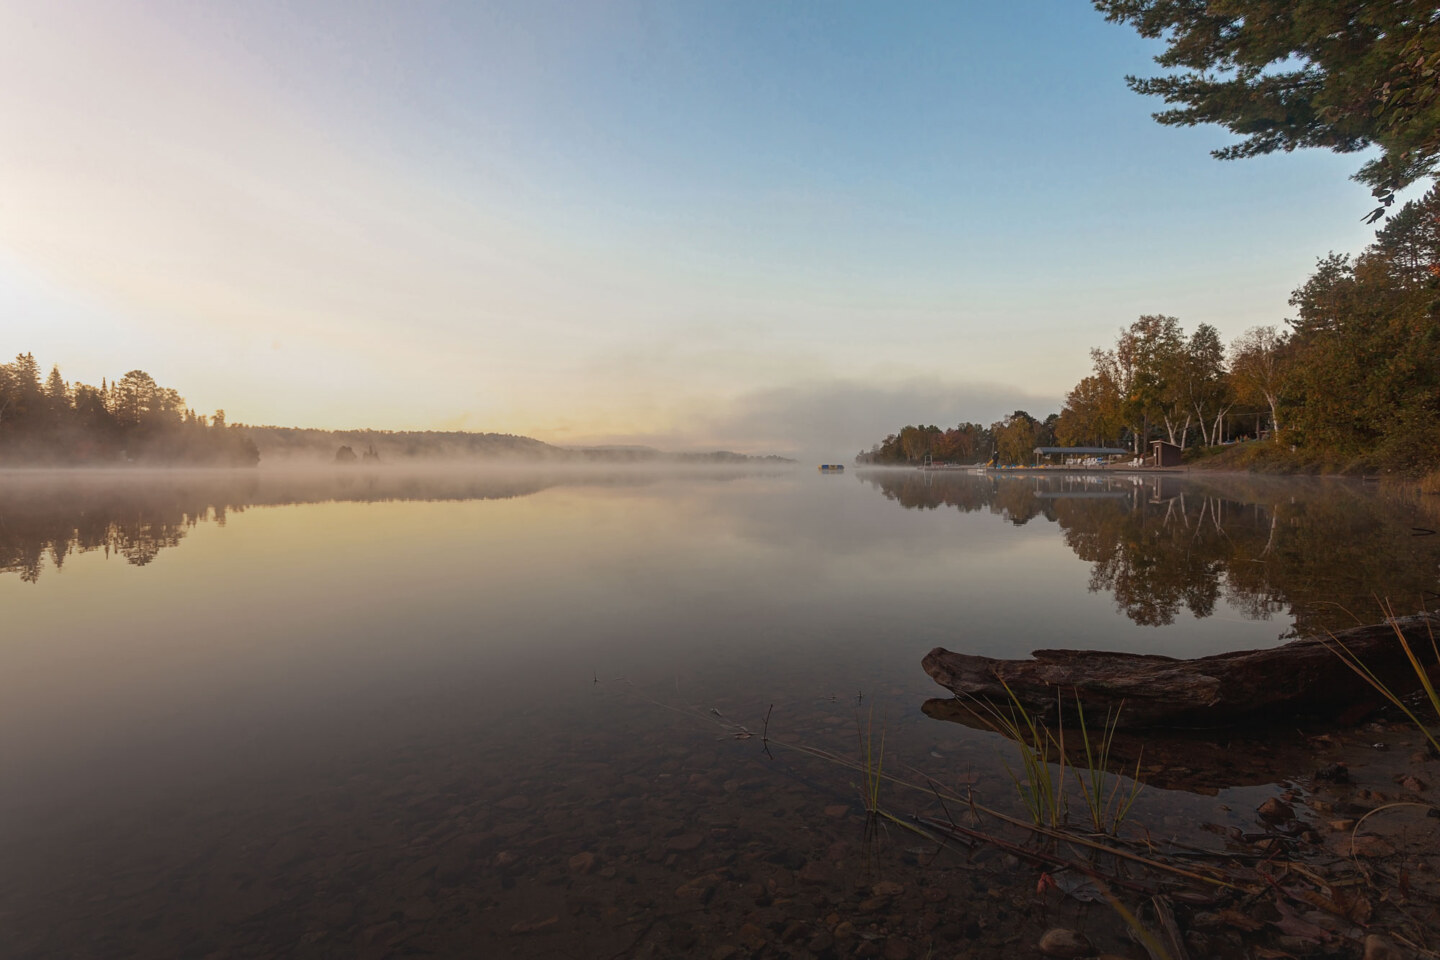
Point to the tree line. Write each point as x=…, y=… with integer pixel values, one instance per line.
x=1011, y=439
x=1354, y=382
x=132, y=419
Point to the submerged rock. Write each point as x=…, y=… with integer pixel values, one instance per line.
x=1378, y=948
x=1063, y=943
x=685, y=842
x=1276, y=810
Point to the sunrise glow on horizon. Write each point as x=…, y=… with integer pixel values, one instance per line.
x=762, y=227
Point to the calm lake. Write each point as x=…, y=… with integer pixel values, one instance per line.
x=513, y=713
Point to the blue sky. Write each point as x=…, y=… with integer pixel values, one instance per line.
x=786, y=227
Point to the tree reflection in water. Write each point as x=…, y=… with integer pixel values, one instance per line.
x=1161, y=545
x=135, y=522
x=137, y=514
x=1321, y=550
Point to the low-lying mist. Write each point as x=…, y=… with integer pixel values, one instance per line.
x=299, y=445
x=136, y=512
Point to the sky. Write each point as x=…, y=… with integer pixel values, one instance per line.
x=766, y=226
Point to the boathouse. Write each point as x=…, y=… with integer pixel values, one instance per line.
x=1078, y=456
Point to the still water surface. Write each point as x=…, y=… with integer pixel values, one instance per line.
x=508, y=713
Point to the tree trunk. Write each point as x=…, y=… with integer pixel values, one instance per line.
x=1209, y=691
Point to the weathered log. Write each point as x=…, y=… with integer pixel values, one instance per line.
x=1203, y=761
x=1302, y=677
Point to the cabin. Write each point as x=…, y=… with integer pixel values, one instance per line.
x=1165, y=455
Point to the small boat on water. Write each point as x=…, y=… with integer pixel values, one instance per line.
x=832, y=468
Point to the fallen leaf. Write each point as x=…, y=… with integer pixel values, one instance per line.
x=1357, y=907
x=1292, y=924
x=1079, y=887
x=1241, y=921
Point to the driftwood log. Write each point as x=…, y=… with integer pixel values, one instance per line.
x=1203, y=761
x=1305, y=677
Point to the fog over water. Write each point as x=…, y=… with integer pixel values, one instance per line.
x=195, y=656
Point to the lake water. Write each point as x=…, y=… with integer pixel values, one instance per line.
x=511, y=713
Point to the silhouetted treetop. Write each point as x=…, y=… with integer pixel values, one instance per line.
x=132, y=419
x=1342, y=75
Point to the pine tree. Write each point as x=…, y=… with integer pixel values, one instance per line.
x=1343, y=75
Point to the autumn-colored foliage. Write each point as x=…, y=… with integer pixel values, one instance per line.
x=1352, y=385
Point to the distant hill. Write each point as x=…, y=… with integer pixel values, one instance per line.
x=304, y=444
x=640, y=454
x=307, y=445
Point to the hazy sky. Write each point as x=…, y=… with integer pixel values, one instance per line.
x=769, y=226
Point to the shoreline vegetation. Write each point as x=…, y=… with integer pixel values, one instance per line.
x=52, y=423
x=1352, y=387
x=130, y=420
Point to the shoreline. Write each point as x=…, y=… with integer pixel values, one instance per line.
x=1192, y=469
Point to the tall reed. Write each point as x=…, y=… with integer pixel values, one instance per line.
x=1422, y=672
x=1042, y=782
x=1108, y=808
x=1042, y=787
x=872, y=760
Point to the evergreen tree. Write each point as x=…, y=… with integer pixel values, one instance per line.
x=57, y=396
x=60, y=423
x=1341, y=74
x=1367, y=347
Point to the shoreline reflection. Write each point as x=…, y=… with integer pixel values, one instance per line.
x=1166, y=545
x=48, y=516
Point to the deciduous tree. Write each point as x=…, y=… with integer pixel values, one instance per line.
x=1205, y=386
x=1260, y=370
x=1015, y=437
x=1092, y=414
